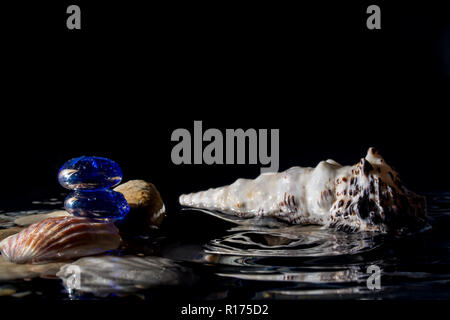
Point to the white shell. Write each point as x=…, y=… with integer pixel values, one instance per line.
x=103, y=275
x=60, y=238
x=366, y=196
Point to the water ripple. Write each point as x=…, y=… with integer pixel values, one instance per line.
x=293, y=241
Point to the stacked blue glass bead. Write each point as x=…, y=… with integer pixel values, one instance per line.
x=91, y=179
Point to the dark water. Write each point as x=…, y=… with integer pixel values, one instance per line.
x=216, y=259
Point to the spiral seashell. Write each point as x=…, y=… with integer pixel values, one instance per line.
x=60, y=238
x=368, y=196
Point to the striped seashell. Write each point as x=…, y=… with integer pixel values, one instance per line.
x=60, y=238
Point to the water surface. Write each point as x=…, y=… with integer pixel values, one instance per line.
x=220, y=259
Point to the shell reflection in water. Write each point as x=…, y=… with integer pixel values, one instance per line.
x=288, y=258
x=349, y=274
x=105, y=275
x=61, y=238
x=293, y=241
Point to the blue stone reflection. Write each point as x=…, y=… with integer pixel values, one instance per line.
x=98, y=204
x=89, y=173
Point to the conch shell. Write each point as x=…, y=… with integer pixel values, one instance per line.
x=60, y=238
x=368, y=196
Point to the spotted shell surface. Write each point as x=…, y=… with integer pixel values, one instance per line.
x=368, y=196
x=58, y=239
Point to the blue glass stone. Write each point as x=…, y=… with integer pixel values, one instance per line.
x=89, y=173
x=97, y=204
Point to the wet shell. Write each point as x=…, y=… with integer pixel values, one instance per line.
x=368, y=196
x=103, y=275
x=60, y=238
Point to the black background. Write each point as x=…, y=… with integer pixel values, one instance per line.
x=135, y=72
